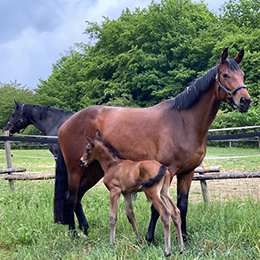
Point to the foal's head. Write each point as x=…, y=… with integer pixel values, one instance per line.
x=98, y=149
x=91, y=153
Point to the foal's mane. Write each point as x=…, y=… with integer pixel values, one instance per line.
x=192, y=93
x=110, y=149
x=41, y=110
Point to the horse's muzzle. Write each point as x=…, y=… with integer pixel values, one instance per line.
x=244, y=105
x=82, y=163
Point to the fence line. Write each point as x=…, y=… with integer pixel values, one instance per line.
x=54, y=139
x=233, y=128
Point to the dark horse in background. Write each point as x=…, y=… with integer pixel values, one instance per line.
x=47, y=119
x=173, y=132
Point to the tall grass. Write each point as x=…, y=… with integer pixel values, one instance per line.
x=222, y=230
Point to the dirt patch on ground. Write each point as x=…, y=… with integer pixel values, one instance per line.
x=220, y=190
x=224, y=189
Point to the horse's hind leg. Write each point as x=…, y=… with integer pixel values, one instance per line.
x=175, y=215
x=154, y=217
x=130, y=214
x=165, y=216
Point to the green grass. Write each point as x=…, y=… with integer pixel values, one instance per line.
x=241, y=164
x=221, y=230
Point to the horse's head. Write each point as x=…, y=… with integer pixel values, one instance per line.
x=230, y=80
x=17, y=120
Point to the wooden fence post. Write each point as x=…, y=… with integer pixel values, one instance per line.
x=204, y=188
x=8, y=158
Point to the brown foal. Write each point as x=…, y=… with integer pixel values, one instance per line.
x=125, y=176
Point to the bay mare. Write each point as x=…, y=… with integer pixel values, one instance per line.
x=45, y=118
x=173, y=132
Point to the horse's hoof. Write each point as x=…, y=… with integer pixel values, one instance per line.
x=167, y=253
x=73, y=234
x=184, y=236
x=112, y=244
x=149, y=239
x=84, y=229
x=182, y=249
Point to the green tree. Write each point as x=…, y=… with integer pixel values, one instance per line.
x=140, y=59
x=9, y=92
x=242, y=13
x=152, y=54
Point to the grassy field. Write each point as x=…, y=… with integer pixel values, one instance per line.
x=228, y=228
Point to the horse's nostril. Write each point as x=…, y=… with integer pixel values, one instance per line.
x=244, y=104
x=242, y=101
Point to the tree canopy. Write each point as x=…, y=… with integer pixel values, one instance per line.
x=152, y=54
x=9, y=92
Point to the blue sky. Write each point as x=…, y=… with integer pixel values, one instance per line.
x=34, y=34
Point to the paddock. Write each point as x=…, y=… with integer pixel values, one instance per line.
x=224, y=228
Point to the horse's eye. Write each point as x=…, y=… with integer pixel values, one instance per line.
x=225, y=75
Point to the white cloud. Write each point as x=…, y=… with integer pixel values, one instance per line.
x=34, y=35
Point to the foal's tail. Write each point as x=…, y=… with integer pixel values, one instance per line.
x=155, y=179
x=61, y=188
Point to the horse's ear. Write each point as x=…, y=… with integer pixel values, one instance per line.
x=98, y=134
x=17, y=103
x=91, y=141
x=224, y=55
x=239, y=56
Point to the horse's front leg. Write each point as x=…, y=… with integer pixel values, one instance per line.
x=183, y=188
x=91, y=176
x=72, y=198
x=130, y=214
x=83, y=223
x=70, y=207
x=114, y=201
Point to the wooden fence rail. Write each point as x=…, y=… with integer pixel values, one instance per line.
x=10, y=170
x=221, y=176
x=29, y=177
x=200, y=176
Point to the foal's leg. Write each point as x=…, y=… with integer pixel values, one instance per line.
x=165, y=216
x=130, y=213
x=183, y=188
x=175, y=215
x=114, y=200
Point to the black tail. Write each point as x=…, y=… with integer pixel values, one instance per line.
x=61, y=189
x=155, y=179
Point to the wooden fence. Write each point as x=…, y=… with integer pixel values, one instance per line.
x=200, y=172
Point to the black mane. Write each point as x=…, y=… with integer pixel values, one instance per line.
x=110, y=149
x=192, y=93
x=42, y=110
